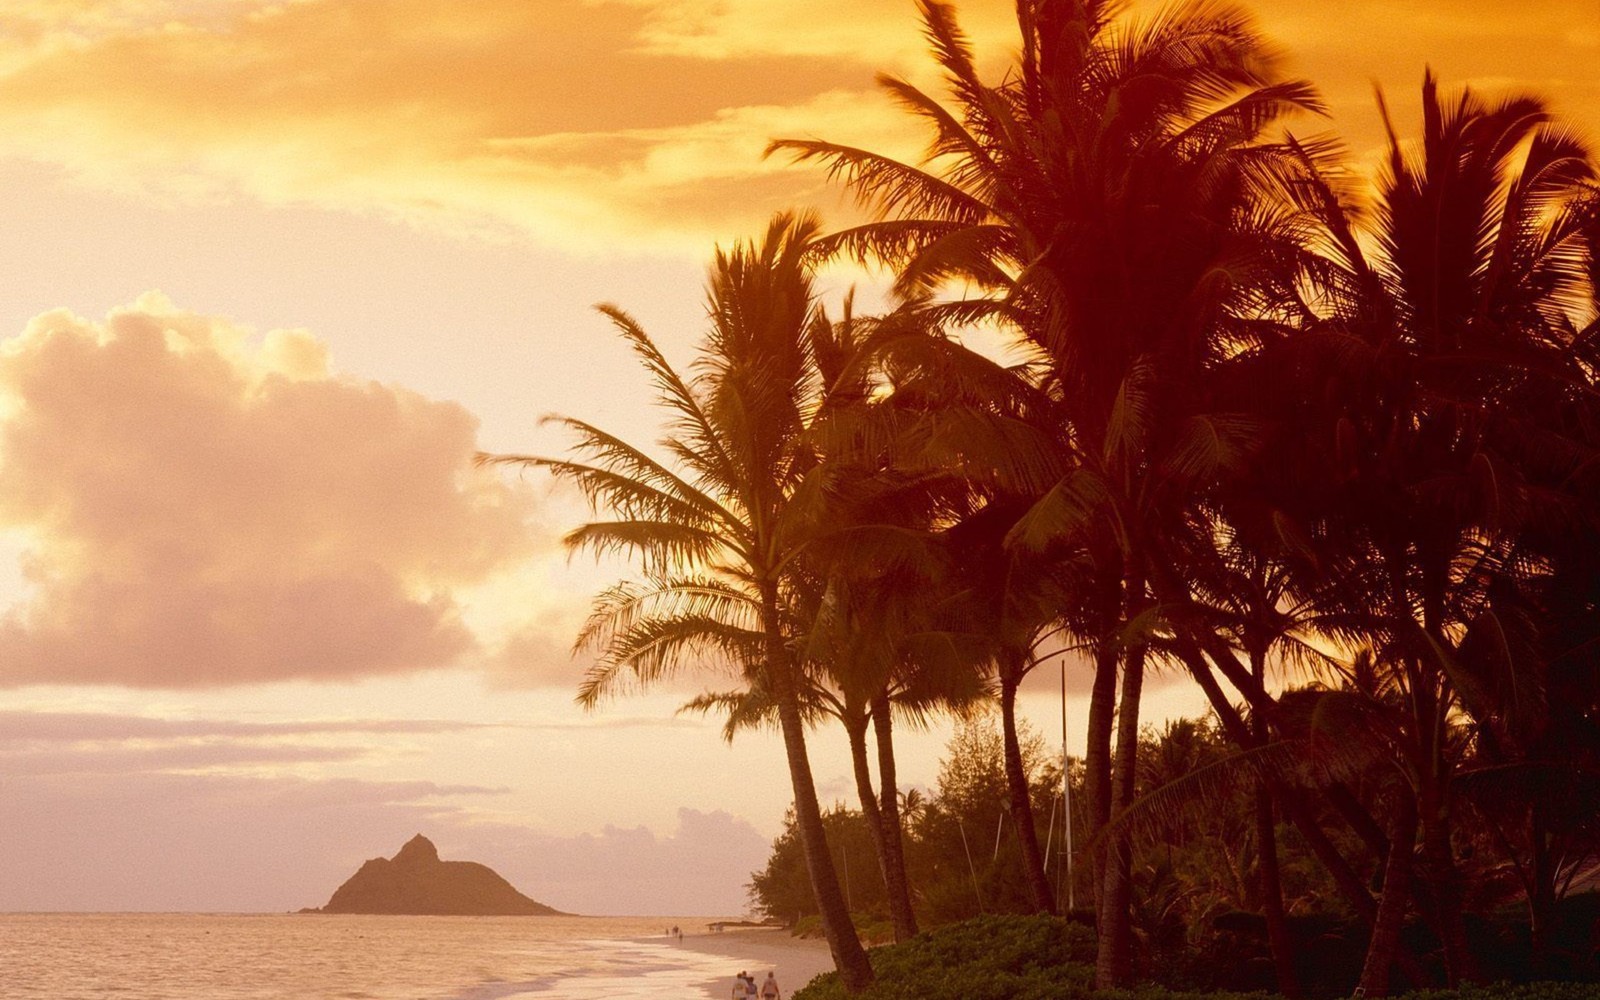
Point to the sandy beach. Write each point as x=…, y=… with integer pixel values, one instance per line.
x=759, y=951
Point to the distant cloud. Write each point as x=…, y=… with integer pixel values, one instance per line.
x=201, y=842
x=83, y=743
x=121, y=759
x=78, y=727
x=202, y=509
x=204, y=842
x=700, y=868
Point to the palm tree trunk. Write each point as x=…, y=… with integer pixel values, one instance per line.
x=855, y=969
x=855, y=729
x=1097, y=755
x=1445, y=889
x=1385, y=940
x=899, y=886
x=1279, y=939
x=1351, y=810
x=1021, y=795
x=1542, y=897
x=1443, y=880
x=1112, y=958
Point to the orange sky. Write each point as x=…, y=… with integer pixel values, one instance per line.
x=273, y=270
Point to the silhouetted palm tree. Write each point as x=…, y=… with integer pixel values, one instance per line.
x=1101, y=195
x=720, y=529
x=1439, y=342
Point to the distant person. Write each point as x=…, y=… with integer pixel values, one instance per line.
x=769, y=988
x=744, y=987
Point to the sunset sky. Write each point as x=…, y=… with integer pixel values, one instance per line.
x=273, y=271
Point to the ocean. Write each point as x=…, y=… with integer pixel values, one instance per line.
x=329, y=957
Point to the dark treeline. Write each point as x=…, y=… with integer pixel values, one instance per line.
x=1322, y=444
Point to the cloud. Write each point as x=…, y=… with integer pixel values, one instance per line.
x=700, y=868
x=117, y=759
x=210, y=843
x=595, y=125
x=84, y=743
x=1547, y=47
x=77, y=727
x=201, y=508
x=461, y=116
x=884, y=33
x=201, y=842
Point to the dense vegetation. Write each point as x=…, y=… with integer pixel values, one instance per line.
x=1323, y=447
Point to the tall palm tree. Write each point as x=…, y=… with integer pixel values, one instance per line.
x=720, y=528
x=1100, y=195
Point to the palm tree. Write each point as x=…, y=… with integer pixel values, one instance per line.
x=1101, y=195
x=720, y=528
x=863, y=676
x=1446, y=322
x=1256, y=604
x=1007, y=607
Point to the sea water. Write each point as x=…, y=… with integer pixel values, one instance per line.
x=345, y=957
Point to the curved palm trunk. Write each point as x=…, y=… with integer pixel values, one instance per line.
x=1021, y=797
x=848, y=956
x=899, y=886
x=885, y=838
x=1385, y=940
x=1344, y=876
x=1112, y=959
x=1301, y=815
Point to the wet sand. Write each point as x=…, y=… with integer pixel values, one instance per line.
x=759, y=951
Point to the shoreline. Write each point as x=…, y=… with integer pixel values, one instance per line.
x=756, y=950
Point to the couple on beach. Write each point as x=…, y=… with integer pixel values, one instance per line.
x=744, y=987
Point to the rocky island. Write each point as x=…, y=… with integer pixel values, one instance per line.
x=416, y=882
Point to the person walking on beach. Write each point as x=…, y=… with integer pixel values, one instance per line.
x=769, y=989
x=744, y=986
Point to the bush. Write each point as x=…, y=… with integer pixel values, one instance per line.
x=1048, y=958
x=1513, y=991
x=987, y=958
x=870, y=928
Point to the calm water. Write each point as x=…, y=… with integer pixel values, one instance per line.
x=325, y=957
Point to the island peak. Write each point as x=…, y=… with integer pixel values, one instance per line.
x=415, y=882
x=418, y=849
